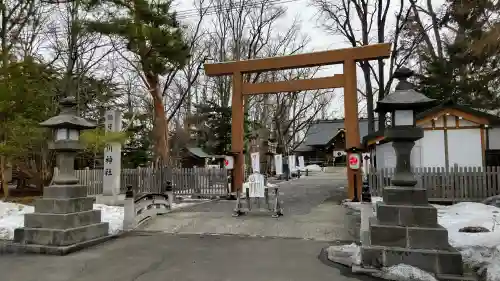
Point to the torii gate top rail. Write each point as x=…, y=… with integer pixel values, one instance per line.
x=348, y=57
x=369, y=52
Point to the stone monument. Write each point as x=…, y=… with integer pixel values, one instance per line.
x=64, y=220
x=405, y=229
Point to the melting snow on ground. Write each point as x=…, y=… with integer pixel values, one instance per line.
x=12, y=217
x=479, y=250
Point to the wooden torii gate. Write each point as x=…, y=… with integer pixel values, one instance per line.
x=348, y=57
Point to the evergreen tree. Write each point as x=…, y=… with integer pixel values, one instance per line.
x=469, y=74
x=151, y=32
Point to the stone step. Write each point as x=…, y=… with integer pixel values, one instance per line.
x=396, y=195
x=62, y=221
x=63, y=205
x=407, y=215
x=447, y=262
x=60, y=237
x=65, y=191
x=408, y=236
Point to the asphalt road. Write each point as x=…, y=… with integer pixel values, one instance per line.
x=159, y=257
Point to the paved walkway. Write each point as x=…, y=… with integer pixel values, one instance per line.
x=311, y=212
x=160, y=257
x=311, y=208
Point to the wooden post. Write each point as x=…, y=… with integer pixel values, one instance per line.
x=351, y=122
x=237, y=132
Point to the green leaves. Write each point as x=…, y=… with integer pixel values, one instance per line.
x=151, y=31
x=95, y=140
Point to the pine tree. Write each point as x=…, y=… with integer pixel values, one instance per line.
x=469, y=73
x=152, y=32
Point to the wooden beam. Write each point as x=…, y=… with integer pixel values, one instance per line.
x=368, y=52
x=337, y=81
x=455, y=112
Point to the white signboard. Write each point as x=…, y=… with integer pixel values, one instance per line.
x=112, y=155
x=291, y=163
x=256, y=186
x=302, y=166
x=278, y=162
x=229, y=162
x=255, y=158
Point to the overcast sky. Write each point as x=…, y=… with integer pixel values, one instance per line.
x=320, y=39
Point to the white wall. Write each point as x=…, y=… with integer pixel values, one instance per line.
x=432, y=149
x=464, y=148
x=494, y=138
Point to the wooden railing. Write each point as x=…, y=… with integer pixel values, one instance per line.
x=455, y=184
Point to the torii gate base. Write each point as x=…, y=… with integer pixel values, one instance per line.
x=347, y=80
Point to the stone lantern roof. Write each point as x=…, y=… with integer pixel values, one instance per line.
x=67, y=118
x=404, y=97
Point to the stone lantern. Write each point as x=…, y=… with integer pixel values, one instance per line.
x=405, y=229
x=64, y=219
x=403, y=104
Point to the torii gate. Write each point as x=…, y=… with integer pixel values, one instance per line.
x=348, y=57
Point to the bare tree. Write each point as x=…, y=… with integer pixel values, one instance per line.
x=343, y=16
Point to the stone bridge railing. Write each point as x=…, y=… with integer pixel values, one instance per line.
x=141, y=207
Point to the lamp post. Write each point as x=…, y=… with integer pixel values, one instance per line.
x=402, y=104
x=66, y=130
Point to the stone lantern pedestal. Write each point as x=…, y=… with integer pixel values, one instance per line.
x=64, y=219
x=405, y=229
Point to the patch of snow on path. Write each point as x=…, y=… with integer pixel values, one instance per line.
x=12, y=217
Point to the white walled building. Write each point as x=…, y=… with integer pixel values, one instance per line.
x=454, y=135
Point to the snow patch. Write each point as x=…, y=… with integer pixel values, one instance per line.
x=479, y=250
x=313, y=168
x=12, y=217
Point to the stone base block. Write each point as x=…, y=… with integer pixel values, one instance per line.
x=63, y=205
x=408, y=237
x=407, y=215
x=433, y=261
x=62, y=221
x=65, y=191
x=17, y=248
x=396, y=195
x=60, y=237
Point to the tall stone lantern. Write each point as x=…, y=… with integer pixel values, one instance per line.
x=64, y=219
x=405, y=229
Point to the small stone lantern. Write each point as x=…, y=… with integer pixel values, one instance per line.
x=64, y=219
x=405, y=229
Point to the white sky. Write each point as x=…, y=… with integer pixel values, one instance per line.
x=320, y=39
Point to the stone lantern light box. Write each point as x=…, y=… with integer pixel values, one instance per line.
x=403, y=103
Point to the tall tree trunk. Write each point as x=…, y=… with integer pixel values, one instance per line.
x=3, y=177
x=160, y=128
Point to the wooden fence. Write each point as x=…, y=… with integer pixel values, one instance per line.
x=192, y=181
x=456, y=184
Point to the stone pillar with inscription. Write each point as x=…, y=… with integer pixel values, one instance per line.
x=112, y=161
